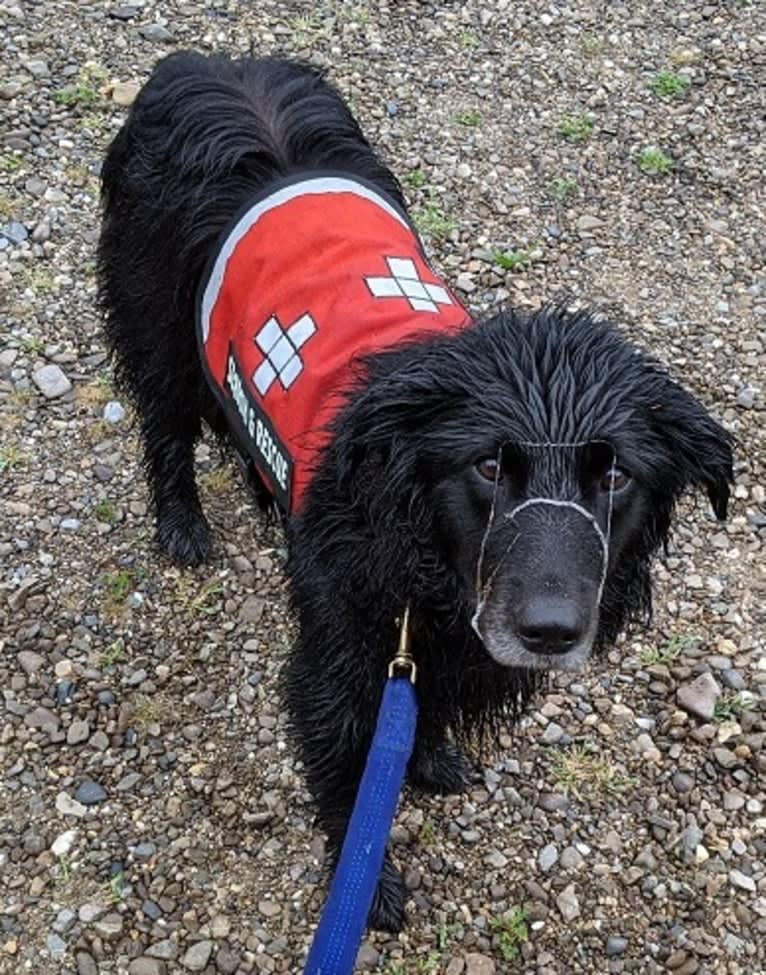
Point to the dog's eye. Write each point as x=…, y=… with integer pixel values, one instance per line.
x=489, y=469
x=615, y=479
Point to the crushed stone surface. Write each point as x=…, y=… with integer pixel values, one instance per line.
x=152, y=817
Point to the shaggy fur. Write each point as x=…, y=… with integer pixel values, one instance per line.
x=420, y=495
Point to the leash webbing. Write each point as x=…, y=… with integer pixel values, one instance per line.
x=344, y=918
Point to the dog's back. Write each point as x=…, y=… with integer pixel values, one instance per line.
x=203, y=137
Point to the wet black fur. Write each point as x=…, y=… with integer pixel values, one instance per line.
x=204, y=136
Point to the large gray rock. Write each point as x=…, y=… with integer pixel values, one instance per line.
x=700, y=696
x=52, y=381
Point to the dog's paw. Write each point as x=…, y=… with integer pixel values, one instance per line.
x=387, y=911
x=443, y=769
x=184, y=535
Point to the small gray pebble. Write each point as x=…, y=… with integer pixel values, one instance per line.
x=14, y=231
x=547, y=857
x=615, y=945
x=151, y=910
x=64, y=920
x=682, y=782
x=114, y=412
x=156, y=32
x=733, y=679
x=56, y=946
x=52, y=381
x=86, y=964
x=90, y=793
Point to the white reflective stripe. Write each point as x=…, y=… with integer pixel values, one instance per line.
x=264, y=376
x=384, y=287
x=423, y=304
x=315, y=186
x=269, y=335
x=413, y=289
x=291, y=371
x=282, y=353
x=302, y=330
x=438, y=294
x=402, y=267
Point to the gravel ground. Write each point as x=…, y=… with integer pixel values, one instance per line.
x=152, y=818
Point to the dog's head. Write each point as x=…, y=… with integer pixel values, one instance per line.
x=545, y=456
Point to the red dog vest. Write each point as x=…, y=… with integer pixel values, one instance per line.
x=314, y=274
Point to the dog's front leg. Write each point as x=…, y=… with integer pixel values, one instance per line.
x=438, y=765
x=387, y=911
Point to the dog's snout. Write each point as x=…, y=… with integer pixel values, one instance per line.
x=549, y=626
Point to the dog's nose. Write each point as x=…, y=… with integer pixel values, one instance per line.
x=549, y=626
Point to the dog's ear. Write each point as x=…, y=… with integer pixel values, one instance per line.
x=698, y=447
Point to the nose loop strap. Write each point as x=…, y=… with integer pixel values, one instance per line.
x=484, y=587
x=603, y=537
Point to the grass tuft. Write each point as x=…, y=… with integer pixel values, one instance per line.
x=105, y=511
x=512, y=931
x=112, y=655
x=470, y=118
x=149, y=709
x=10, y=456
x=416, y=179
x=668, y=84
x=655, y=162
x=512, y=260
x=562, y=188
x=428, y=834
x=668, y=652
x=117, y=587
x=432, y=221
x=576, y=128
x=732, y=706
x=77, y=95
x=582, y=770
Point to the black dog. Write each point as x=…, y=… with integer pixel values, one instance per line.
x=510, y=480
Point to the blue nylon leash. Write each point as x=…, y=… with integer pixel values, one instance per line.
x=344, y=918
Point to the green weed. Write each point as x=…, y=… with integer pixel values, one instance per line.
x=592, y=44
x=77, y=95
x=112, y=655
x=512, y=260
x=105, y=511
x=470, y=118
x=668, y=84
x=432, y=221
x=654, y=161
x=117, y=587
x=512, y=931
x=428, y=834
x=562, y=188
x=581, y=770
x=32, y=345
x=418, y=965
x=10, y=456
x=117, y=887
x=10, y=163
x=668, y=652
x=576, y=128
x=732, y=706
x=416, y=179
x=150, y=709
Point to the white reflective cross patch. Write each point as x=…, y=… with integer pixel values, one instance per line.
x=405, y=283
x=280, y=348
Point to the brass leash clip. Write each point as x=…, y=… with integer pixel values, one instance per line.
x=402, y=664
